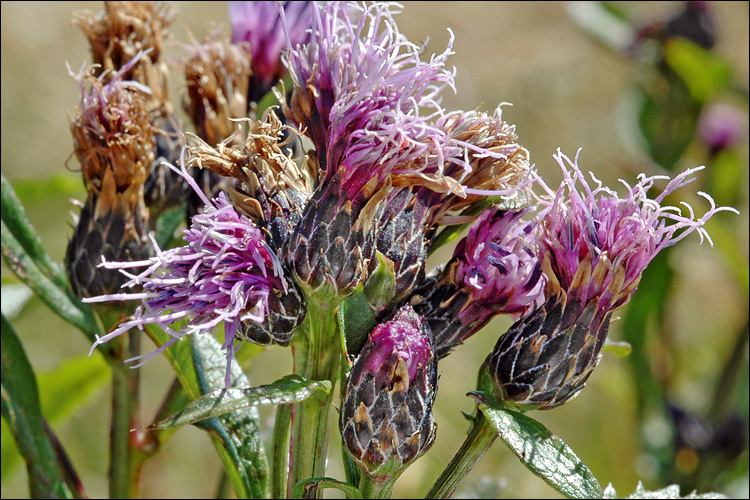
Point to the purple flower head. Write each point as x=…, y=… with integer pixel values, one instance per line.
x=261, y=25
x=226, y=273
x=722, y=126
x=593, y=246
x=494, y=271
x=496, y=263
x=362, y=91
x=386, y=417
x=596, y=244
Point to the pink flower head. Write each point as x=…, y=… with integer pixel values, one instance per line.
x=595, y=244
x=226, y=273
x=498, y=266
x=375, y=105
x=261, y=24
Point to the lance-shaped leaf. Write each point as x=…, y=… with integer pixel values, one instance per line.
x=670, y=492
x=22, y=412
x=17, y=222
x=290, y=389
x=543, y=453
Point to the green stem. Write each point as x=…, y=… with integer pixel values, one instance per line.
x=317, y=354
x=369, y=487
x=280, y=450
x=480, y=438
x=124, y=471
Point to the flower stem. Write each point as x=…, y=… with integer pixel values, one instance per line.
x=369, y=487
x=480, y=438
x=280, y=452
x=317, y=354
x=123, y=471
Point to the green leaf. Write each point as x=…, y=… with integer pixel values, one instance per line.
x=703, y=71
x=667, y=117
x=381, y=283
x=167, y=224
x=59, y=300
x=290, y=389
x=14, y=297
x=600, y=21
x=17, y=222
x=72, y=385
x=308, y=488
x=62, y=392
x=356, y=321
x=619, y=349
x=22, y=412
x=543, y=453
x=670, y=492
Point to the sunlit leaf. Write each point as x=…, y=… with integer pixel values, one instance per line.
x=17, y=222
x=619, y=349
x=290, y=389
x=543, y=453
x=670, y=492
x=704, y=71
x=14, y=297
x=58, y=299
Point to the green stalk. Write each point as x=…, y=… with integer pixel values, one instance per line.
x=370, y=487
x=480, y=438
x=280, y=450
x=317, y=355
x=124, y=470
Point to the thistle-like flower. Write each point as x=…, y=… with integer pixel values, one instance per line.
x=114, y=144
x=226, y=273
x=128, y=31
x=386, y=411
x=371, y=107
x=494, y=270
x=261, y=26
x=593, y=247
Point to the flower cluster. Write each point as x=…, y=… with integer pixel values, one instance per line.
x=339, y=199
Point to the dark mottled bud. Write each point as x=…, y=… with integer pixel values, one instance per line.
x=386, y=412
x=494, y=270
x=115, y=146
x=545, y=358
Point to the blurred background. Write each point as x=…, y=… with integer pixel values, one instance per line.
x=605, y=77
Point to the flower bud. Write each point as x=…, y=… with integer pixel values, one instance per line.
x=386, y=411
x=545, y=358
x=115, y=146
